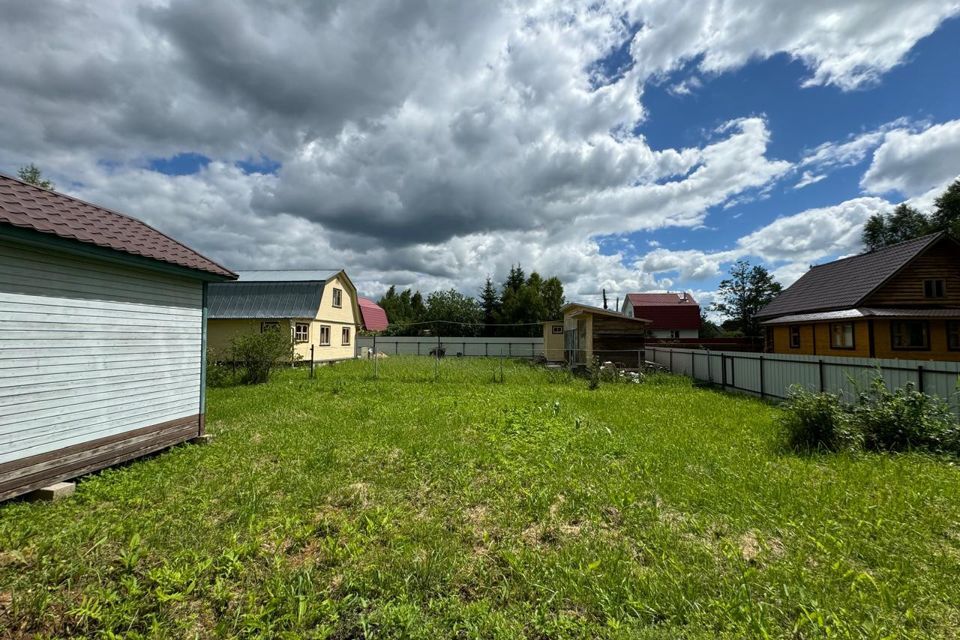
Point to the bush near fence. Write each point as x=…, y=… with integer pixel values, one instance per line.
x=770, y=375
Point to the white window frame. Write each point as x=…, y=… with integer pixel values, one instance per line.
x=345, y=332
x=303, y=336
x=337, y=298
x=324, y=330
x=557, y=329
x=269, y=325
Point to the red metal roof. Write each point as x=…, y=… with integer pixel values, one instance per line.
x=657, y=299
x=666, y=310
x=30, y=207
x=374, y=317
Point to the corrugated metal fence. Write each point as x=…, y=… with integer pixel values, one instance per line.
x=423, y=345
x=771, y=375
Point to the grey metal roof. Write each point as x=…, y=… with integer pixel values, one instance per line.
x=864, y=312
x=287, y=275
x=263, y=300
x=845, y=283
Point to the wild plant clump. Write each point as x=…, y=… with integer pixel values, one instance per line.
x=259, y=353
x=878, y=420
x=817, y=421
x=904, y=419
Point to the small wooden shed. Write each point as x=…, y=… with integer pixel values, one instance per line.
x=608, y=335
x=101, y=338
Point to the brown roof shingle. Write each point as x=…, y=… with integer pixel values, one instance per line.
x=842, y=284
x=30, y=207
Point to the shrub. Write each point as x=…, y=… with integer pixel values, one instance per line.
x=594, y=373
x=817, y=421
x=879, y=420
x=259, y=353
x=218, y=374
x=904, y=419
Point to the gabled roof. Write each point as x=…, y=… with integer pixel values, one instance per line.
x=579, y=308
x=845, y=283
x=27, y=206
x=374, y=316
x=287, y=275
x=660, y=299
x=263, y=300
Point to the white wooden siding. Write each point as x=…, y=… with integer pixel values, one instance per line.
x=90, y=350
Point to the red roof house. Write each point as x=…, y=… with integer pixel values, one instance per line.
x=373, y=315
x=672, y=315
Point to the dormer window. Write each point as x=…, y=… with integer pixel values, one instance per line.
x=337, y=298
x=933, y=289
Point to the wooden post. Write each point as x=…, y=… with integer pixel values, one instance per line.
x=311, y=361
x=376, y=359
x=436, y=366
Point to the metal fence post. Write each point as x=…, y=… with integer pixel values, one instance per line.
x=671, y=360
x=920, y=378
x=509, y=349
x=762, y=394
x=820, y=373
x=709, y=368
x=723, y=370
x=311, y=361
x=376, y=359
x=396, y=348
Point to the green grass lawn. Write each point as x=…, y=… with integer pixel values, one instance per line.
x=347, y=507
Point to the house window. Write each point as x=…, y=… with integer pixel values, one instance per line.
x=557, y=329
x=675, y=334
x=953, y=335
x=841, y=335
x=269, y=326
x=934, y=289
x=338, y=298
x=301, y=332
x=910, y=335
x=345, y=336
x=768, y=340
x=324, y=335
x=794, y=337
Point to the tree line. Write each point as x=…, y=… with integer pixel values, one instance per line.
x=906, y=222
x=514, y=309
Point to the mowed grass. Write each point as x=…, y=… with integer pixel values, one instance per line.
x=407, y=506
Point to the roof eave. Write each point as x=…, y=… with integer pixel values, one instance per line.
x=80, y=248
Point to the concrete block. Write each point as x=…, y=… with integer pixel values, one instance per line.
x=204, y=439
x=54, y=492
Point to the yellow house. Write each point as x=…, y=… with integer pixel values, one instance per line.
x=902, y=301
x=320, y=309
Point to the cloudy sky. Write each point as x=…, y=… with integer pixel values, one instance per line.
x=627, y=145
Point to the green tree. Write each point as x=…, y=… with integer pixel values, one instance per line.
x=946, y=210
x=462, y=314
x=708, y=328
x=490, y=302
x=748, y=290
x=552, y=294
x=903, y=223
x=32, y=174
